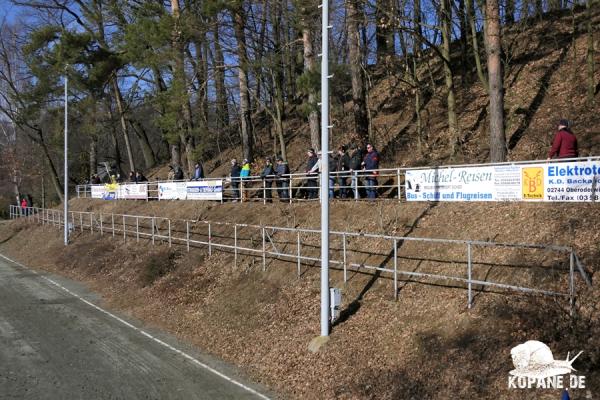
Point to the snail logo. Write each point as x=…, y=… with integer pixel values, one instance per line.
x=535, y=367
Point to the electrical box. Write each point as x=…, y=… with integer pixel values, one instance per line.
x=335, y=300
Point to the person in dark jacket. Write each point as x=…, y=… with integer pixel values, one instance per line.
x=198, y=172
x=235, y=178
x=282, y=170
x=342, y=167
x=131, y=177
x=267, y=175
x=312, y=189
x=564, y=144
x=332, y=175
x=356, y=158
x=139, y=177
x=178, y=173
x=371, y=165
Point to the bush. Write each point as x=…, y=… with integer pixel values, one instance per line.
x=158, y=265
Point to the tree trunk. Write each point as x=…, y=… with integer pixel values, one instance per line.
x=185, y=134
x=310, y=67
x=446, y=16
x=121, y=110
x=93, y=152
x=591, y=84
x=219, y=71
x=384, y=33
x=361, y=122
x=496, y=94
x=147, y=152
x=246, y=120
x=476, y=56
x=464, y=40
x=278, y=78
x=53, y=172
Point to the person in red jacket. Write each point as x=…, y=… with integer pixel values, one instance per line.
x=564, y=144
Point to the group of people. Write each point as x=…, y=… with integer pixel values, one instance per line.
x=278, y=174
x=345, y=169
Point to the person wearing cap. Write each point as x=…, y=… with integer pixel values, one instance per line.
x=234, y=175
x=371, y=164
x=312, y=190
x=267, y=175
x=342, y=162
x=564, y=144
x=282, y=170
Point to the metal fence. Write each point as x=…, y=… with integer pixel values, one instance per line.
x=389, y=183
x=352, y=253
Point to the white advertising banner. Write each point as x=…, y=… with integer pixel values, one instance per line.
x=98, y=191
x=133, y=191
x=205, y=190
x=552, y=181
x=172, y=191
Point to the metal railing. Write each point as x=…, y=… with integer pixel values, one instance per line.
x=384, y=183
x=351, y=252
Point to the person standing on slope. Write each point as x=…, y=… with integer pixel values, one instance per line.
x=564, y=144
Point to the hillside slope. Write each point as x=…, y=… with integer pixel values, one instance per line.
x=426, y=345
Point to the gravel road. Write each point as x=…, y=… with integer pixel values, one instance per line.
x=54, y=345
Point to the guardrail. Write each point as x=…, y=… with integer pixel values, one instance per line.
x=351, y=252
x=344, y=185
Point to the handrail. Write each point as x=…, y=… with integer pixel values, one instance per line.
x=124, y=226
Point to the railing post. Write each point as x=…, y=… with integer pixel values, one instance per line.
x=298, y=250
x=124, y=230
x=91, y=223
x=398, y=180
x=235, y=244
x=469, y=273
x=73, y=221
x=187, y=234
x=81, y=221
x=290, y=188
x=101, y=228
x=209, y=240
x=137, y=229
x=264, y=249
x=169, y=221
x=572, y=283
x=395, y=269
x=153, y=224
x=112, y=218
x=264, y=187
x=355, y=184
x=344, y=255
x=241, y=191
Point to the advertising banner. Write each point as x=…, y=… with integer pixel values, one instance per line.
x=133, y=191
x=552, y=181
x=98, y=191
x=172, y=191
x=205, y=190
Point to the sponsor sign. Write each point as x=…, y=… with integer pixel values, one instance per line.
x=205, y=190
x=552, y=181
x=133, y=191
x=172, y=191
x=98, y=191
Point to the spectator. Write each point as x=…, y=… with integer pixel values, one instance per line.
x=311, y=181
x=119, y=178
x=23, y=206
x=332, y=175
x=171, y=174
x=235, y=179
x=178, y=173
x=198, y=172
x=564, y=144
x=342, y=164
x=139, y=177
x=371, y=163
x=95, y=180
x=282, y=171
x=354, y=166
x=267, y=175
x=131, y=177
x=244, y=174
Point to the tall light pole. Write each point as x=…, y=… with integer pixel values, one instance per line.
x=66, y=167
x=325, y=170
